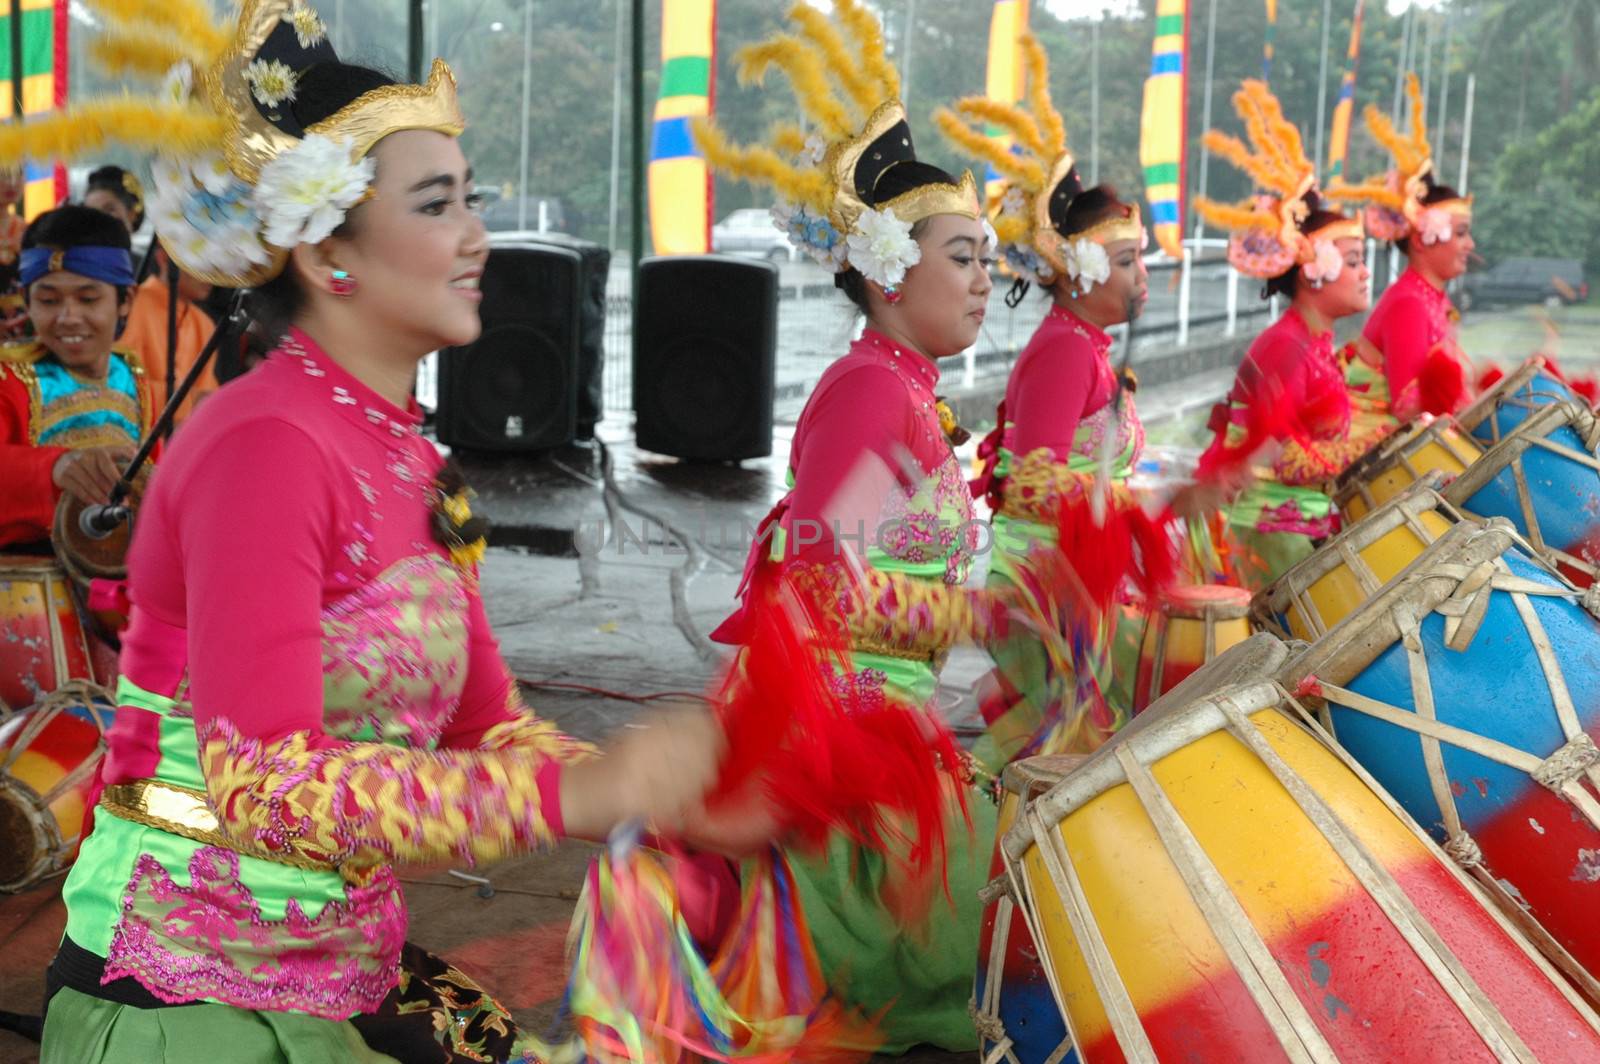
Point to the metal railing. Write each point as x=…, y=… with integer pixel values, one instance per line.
x=1199, y=297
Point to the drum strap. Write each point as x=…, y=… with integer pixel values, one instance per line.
x=182, y=811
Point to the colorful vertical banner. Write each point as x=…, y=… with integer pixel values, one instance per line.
x=1006, y=76
x=1164, y=126
x=1272, y=33
x=44, y=87
x=1344, y=109
x=679, y=181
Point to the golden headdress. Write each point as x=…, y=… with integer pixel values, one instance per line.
x=1396, y=207
x=830, y=203
x=1040, y=177
x=238, y=182
x=1270, y=233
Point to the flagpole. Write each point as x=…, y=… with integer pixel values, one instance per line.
x=1466, y=134
x=1094, y=102
x=1406, y=25
x=1444, y=90
x=1427, y=64
x=1205, y=121
x=1322, y=81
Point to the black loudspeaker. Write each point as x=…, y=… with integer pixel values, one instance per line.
x=591, y=325
x=516, y=387
x=705, y=357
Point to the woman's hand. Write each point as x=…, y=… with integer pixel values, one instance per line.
x=1198, y=500
x=657, y=769
x=741, y=826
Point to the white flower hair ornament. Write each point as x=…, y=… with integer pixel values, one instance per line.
x=1434, y=225
x=304, y=193
x=1087, y=263
x=991, y=240
x=882, y=249
x=1326, y=263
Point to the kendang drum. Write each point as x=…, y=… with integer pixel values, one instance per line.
x=48, y=758
x=1400, y=461
x=43, y=643
x=1348, y=569
x=1217, y=883
x=1545, y=479
x=1192, y=624
x=1496, y=413
x=1016, y=1016
x=1468, y=688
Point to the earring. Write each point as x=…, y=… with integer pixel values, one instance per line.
x=891, y=294
x=343, y=284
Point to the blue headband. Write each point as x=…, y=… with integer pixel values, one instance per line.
x=108, y=264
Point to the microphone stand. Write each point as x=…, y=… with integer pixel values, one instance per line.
x=172, y=334
x=107, y=518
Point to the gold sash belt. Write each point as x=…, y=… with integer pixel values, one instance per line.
x=183, y=811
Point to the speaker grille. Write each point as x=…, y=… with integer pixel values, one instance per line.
x=705, y=357
x=516, y=387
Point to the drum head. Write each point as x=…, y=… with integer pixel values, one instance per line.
x=27, y=835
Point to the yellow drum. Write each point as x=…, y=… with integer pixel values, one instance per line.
x=1016, y=1016
x=1400, y=461
x=48, y=758
x=1193, y=624
x=1218, y=884
x=1348, y=569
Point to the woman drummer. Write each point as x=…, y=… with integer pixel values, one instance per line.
x=72, y=409
x=1067, y=428
x=878, y=495
x=321, y=701
x=1409, y=360
x=1290, y=388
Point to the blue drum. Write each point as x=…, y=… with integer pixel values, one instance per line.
x=1469, y=686
x=1496, y=413
x=1545, y=479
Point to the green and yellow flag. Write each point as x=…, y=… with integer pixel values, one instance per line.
x=44, y=86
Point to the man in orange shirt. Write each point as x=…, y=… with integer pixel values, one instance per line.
x=146, y=333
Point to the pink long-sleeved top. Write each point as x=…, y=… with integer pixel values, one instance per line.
x=1412, y=323
x=307, y=658
x=1062, y=378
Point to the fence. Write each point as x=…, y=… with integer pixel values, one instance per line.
x=1197, y=298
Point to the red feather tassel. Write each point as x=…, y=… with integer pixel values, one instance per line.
x=1441, y=384
x=830, y=755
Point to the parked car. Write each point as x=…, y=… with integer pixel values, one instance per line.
x=750, y=232
x=1548, y=281
x=503, y=214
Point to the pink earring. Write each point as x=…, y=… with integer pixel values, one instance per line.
x=891, y=294
x=342, y=283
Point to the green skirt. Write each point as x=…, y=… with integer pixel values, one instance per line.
x=921, y=973
x=436, y=1014
x=80, y=1029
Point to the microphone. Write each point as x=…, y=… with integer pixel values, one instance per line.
x=98, y=521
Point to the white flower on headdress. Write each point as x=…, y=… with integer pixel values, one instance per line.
x=1434, y=225
x=1012, y=202
x=1087, y=263
x=1326, y=264
x=271, y=81
x=308, y=27
x=178, y=82
x=991, y=239
x=814, y=150
x=304, y=193
x=881, y=247
x=210, y=226
x=1027, y=263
